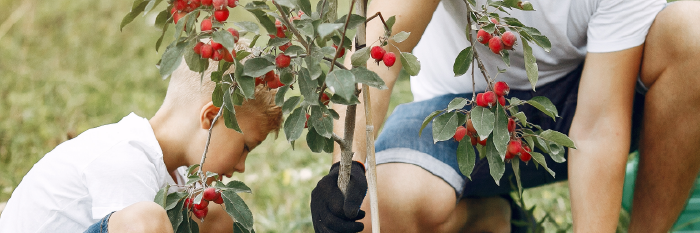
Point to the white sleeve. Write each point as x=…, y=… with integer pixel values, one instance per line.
x=621, y=24
x=119, y=178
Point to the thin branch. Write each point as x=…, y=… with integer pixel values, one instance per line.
x=286, y=21
x=386, y=27
x=338, y=64
x=339, y=140
x=206, y=147
x=342, y=38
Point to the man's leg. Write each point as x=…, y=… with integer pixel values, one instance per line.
x=670, y=143
x=140, y=217
x=412, y=199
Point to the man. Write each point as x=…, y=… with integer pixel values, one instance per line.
x=620, y=46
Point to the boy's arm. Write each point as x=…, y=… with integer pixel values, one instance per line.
x=413, y=16
x=601, y=131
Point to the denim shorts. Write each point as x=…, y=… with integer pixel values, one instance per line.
x=399, y=141
x=100, y=226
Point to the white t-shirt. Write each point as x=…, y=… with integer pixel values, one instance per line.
x=82, y=180
x=574, y=28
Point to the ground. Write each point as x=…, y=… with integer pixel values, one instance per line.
x=65, y=67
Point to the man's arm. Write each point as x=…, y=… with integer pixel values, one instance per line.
x=412, y=16
x=601, y=131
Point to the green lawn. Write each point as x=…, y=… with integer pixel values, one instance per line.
x=65, y=67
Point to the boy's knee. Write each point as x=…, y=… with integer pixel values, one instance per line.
x=140, y=217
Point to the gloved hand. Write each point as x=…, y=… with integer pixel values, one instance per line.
x=332, y=212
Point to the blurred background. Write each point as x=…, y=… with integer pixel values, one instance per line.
x=66, y=67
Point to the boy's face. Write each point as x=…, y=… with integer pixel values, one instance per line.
x=229, y=149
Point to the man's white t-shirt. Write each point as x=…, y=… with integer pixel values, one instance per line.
x=82, y=180
x=575, y=27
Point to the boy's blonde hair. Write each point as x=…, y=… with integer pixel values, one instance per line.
x=187, y=87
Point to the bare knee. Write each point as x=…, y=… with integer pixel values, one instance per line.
x=140, y=217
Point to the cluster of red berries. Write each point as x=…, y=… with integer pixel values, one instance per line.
x=201, y=209
x=215, y=51
x=379, y=54
x=488, y=99
x=496, y=43
x=182, y=7
x=469, y=131
x=325, y=100
x=271, y=78
x=517, y=148
x=281, y=31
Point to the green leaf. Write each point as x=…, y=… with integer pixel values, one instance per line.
x=545, y=105
x=401, y=36
x=501, y=137
x=290, y=104
x=265, y=20
x=225, y=38
x=162, y=18
x=192, y=168
x=162, y=34
x=530, y=63
x=247, y=26
x=171, y=59
x=274, y=42
x=539, y=158
x=427, y=120
x=483, y=120
x=326, y=29
x=305, y=27
x=557, y=137
x=294, y=50
x=355, y=20
x=237, y=186
x=184, y=227
x=175, y=214
x=294, y=124
x=512, y=21
x=466, y=158
x=363, y=75
x=314, y=66
x=227, y=98
x=173, y=199
x=463, y=61
x=308, y=87
x=322, y=121
x=557, y=152
x=161, y=195
x=342, y=82
x=496, y=164
x=360, y=57
x=490, y=28
x=137, y=8
x=505, y=56
x=340, y=100
x=239, y=228
x=456, y=103
x=516, y=170
x=410, y=63
x=522, y=118
x=286, y=3
x=444, y=126
x=279, y=97
x=305, y=6
x=231, y=121
x=543, y=42
x=390, y=22
x=315, y=141
x=237, y=209
x=194, y=228
x=194, y=61
x=257, y=67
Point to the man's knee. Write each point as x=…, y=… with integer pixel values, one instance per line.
x=140, y=217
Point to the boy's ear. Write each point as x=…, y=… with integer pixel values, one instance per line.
x=206, y=117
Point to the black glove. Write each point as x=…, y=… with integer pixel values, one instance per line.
x=331, y=212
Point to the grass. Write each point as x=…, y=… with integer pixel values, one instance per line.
x=65, y=67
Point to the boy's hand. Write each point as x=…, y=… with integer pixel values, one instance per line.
x=333, y=212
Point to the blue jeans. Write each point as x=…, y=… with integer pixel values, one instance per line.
x=399, y=141
x=100, y=226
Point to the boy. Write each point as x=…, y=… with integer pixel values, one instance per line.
x=120, y=167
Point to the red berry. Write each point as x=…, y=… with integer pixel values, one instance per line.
x=377, y=53
x=269, y=76
x=206, y=2
x=219, y=199
x=514, y=147
x=188, y=203
x=278, y=24
x=209, y=194
x=459, y=134
x=501, y=88
x=228, y=56
x=202, y=204
x=275, y=82
x=180, y=5
x=389, y=59
x=511, y=125
x=232, y=3
x=306, y=124
x=489, y=98
x=235, y=34
x=216, y=46
x=474, y=140
x=480, y=100
x=483, y=142
x=178, y=16
x=217, y=56
x=470, y=128
x=206, y=51
x=200, y=214
x=502, y=100
x=284, y=47
x=282, y=61
x=339, y=53
x=325, y=99
x=525, y=154
x=494, y=21
x=483, y=36
x=206, y=25
x=219, y=4
x=496, y=45
x=509, y=38
x=198, y=48
x=280, y=33
x=191, y=7
x=509, y=155
x=221, y=15
x=259, y=81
